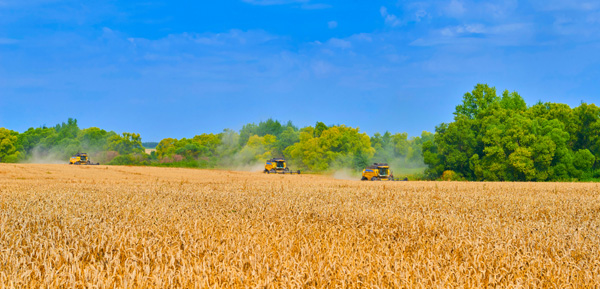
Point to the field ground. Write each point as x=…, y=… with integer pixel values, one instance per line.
x=139, y=227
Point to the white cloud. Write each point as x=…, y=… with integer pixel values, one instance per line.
x=321, y=68
x=420, y=14
x=390, y=19
x=463, y=10
x=562, y=5
x=455, y=8
x=476, y=35
x=412, y=13
x=317, y=6
x=362, y=37
x=332, y=24
x=19, y=3
x=339, y=43
x=593, y=18
x=235, y=46
x=273, y=2
x=8, y=41
x=463, y=29
x=305, y=4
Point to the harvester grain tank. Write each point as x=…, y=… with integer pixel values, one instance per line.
x=81, y=159
x=377, y=172
x=278, y=166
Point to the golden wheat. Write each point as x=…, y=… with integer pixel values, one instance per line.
x=137, y=227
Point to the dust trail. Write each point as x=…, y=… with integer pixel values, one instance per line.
x=246, y=158
x=346, y=174
x=45, y=156
x=59, y=155
x=258, y=167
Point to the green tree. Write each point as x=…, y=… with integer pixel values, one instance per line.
x=476, y=101
x=271, y=127
x=165, y=147
x=336, y=146
x=127, y=143
x=94, y=138
x=584, y=160
x=433, y=159
x=246, y=132
x=258, y=148
x=34, y=137
x=319, y=128
x=288, y=137
x=499, y=139
x=8, y=146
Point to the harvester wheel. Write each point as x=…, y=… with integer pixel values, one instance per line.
x=374, y=179
x=298, y=171
x=286, y=170
x=273, y=171
x=364, y=179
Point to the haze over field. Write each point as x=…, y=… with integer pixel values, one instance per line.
x=178, y=69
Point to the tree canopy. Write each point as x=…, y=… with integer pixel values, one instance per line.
x=497, y=138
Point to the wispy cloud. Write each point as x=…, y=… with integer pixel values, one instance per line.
x=410, y=13
x=234, y=45
x=8, y=41
x=303, y=4
x=339, y=43
x=274, y=2
x=315, y=6
x=461, y=30
x=478, y=35
x=30, y=3
x=455, y=8
x=565, y=5
x=390, y=19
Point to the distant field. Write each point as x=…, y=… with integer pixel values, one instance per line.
x=139, y=227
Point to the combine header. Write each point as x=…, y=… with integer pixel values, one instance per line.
x=278, y=166
x=81, y=159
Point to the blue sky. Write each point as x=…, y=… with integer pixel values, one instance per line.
x=181, y=68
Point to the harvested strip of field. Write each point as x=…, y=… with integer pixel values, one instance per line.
x=141, y=227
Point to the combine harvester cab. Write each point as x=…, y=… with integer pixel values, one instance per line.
x=378, y=172
x=278, y=166
x=81, y=159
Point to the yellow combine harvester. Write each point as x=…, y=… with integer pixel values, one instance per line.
x=278, y=166
x=81, y=159
x=377, y=172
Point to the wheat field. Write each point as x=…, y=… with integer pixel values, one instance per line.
x=141, y=227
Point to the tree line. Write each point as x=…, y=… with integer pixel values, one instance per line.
x=492, y=137
x=316, y=148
